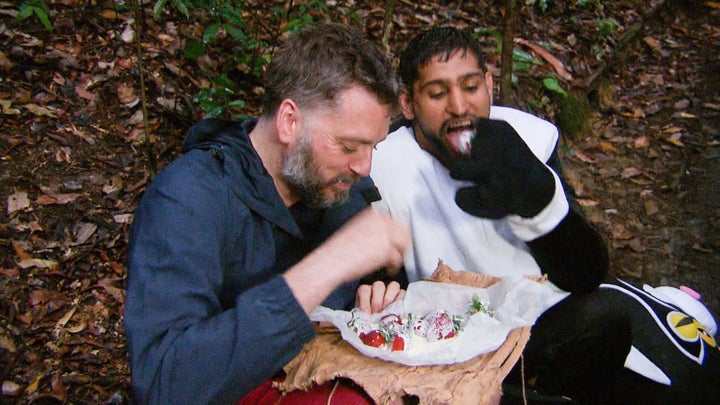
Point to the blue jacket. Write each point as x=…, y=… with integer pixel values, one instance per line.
x=208, y=315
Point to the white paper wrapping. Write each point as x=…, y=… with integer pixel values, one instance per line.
x=515, y=302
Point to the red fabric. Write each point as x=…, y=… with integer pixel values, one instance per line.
x=337, y=392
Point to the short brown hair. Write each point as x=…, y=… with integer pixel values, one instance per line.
x=315, y=64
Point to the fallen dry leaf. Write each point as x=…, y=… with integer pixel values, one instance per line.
x=630, y=172
x=5, y=63
x=641, y=142
x=652, y=43
x=17, y=201
x=7, y=343
x=33, y=386
x=20, y=251
x=11, y=388
x=111, y=14
x=681, y=104
x=583, y=157
x=39, y=263
x=674, y=139
x=57, y=386
x=59, y=199
x=696, y=246
x=607, y=147
x=651, y=207
x=556, y=64
x=6, y=108
x=128, y=34
x=587, y=202
x=83, y=232
x=41, y=111
x=57, y=330
x=619, y=232
x=683, y=114
x=126, y=94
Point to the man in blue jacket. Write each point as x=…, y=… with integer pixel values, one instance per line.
x=259, y=223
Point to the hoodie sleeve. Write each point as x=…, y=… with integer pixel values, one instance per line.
x=187, y=342
x=573, y=253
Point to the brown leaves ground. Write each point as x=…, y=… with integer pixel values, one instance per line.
x=74, y=163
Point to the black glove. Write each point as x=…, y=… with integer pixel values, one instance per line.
x=508, y=178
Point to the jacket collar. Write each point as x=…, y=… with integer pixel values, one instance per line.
x=229, y=142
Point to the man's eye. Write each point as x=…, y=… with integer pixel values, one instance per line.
x=348, y=149
x=436, y=95
x=472, y=88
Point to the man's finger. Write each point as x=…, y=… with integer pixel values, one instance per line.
x=362, y=298
x=377, y=299
x=391, y=292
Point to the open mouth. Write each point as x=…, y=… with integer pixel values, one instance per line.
x=460, y=135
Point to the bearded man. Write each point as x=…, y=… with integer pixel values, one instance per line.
x=260, y=222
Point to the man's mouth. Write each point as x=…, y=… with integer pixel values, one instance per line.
x=344, y=181
x=460, y=135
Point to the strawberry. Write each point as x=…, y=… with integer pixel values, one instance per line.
x=398, y=344
x=373, y=338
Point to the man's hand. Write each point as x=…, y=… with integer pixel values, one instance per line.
x=369, y=241
x=508, y=177
x=374, y=298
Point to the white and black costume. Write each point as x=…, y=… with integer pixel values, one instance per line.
x=579, y=346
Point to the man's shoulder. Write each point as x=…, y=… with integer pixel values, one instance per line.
x=400, y=137
x=518, y=117
x=214, y=132
x=540, y=135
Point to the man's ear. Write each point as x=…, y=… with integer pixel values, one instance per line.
x=406, y=103
x=489, y=85
x=287, y=121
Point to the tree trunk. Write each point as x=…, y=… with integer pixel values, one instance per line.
x=507, y=53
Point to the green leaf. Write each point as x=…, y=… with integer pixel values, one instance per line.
x=211, y=109
x=211, y=32
x=194, y=49
x=233, y=16
x=241, y=117
x=553, y=84
x=24, y=11
x=29, y=7
x=521, y=67
x=159, y=6
x=237, y=104
x=227, y=85
x=43, y=17
x=492, y=32
x=522, y=56
x=298, y=23
x=236, y=33
x=182, y=7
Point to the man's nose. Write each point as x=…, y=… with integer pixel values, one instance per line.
x=361, y=163
x=457, y=104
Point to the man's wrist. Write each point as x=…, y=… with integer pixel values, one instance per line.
x=546, y=220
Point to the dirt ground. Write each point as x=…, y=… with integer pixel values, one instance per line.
x=659, y=202
x=73, y=164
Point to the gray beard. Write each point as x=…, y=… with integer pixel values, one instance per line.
x=303, y=177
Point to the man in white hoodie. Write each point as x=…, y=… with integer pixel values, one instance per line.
x=480, y=189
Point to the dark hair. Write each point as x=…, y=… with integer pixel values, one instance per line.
x=437, y=40
x=315, y=64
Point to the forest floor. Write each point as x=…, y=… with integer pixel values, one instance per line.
x=73, y=161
